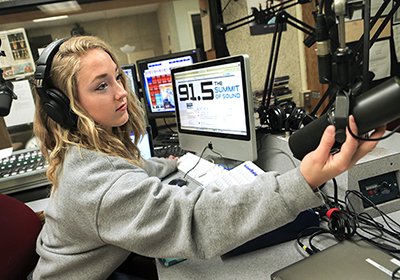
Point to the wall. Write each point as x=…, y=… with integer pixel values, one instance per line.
x=258, y=47
x=140, y=31
x=168, y=28
x=164, y=31
x=183, y=9
x=175, y=25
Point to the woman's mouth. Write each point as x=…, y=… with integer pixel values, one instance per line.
x=122, y=107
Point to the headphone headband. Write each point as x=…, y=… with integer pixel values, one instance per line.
x=43, y=64
x=54, y=102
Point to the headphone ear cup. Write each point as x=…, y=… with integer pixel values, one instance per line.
x=57, y=107
x=295, y=118
x=288, y=106
x=276, y=118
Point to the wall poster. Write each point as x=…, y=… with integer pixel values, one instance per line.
x=16, y=61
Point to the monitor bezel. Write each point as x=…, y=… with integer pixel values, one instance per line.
x=211, y=63
x=142, y=65
x=245, y=142
x=132, y=68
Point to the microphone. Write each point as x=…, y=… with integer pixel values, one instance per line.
x=6, y=95
x=6, y=92
x=323, y=49
x=371, y=109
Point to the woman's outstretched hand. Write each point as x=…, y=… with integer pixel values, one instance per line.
x=320, y=165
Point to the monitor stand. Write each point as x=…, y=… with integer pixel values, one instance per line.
x=154, y=128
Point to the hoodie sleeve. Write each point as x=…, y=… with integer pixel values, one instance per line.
x=160, y=167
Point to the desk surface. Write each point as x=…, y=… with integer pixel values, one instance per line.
x=262, y=263
x=259, y=264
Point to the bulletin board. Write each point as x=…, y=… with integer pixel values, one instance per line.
x=384, y=58
x=17, y=61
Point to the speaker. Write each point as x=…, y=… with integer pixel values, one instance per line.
x=54, y=102
x=285, y=116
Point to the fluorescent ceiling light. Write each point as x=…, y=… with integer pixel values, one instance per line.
x=60, y=7
x=50, y=18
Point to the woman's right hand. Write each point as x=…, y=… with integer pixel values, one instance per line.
x=320, y=165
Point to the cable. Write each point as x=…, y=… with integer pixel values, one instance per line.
x=394, y=276
x=313, y=232
x=344, y=222
x=280, y=151
x=168, y=126
x=366, y=224
x=227, y=4
x=369, y=229
x=200, y=157
x=373, y=139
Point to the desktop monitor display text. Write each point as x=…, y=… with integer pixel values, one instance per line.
x=214, y=106
x=155, y=77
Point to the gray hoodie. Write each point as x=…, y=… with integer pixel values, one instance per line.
x=106, y=207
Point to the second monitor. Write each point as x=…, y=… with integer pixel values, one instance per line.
x=155, y=77
x=214, y=107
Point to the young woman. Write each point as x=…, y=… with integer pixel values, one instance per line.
x=107, y=202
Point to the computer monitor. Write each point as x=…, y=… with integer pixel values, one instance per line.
x=214, y=106
x=145, y=144
x=19, y=121
x=6, y=148
x=130, y=72
x=155, y=77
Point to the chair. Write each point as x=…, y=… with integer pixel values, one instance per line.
x=20, y=227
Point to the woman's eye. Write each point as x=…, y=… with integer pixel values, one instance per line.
x=102, y=86
x=119, y=77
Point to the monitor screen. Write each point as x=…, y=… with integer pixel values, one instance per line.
x=6, y=148
x=155, y=77
x=214, y=105
x=145, y=144
x=23, y=108
x=130, y=72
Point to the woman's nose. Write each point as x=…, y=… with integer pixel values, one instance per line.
x=121, y=93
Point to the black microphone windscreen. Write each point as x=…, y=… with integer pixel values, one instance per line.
x=5, y=104
x=306, y=139
x=372, y=109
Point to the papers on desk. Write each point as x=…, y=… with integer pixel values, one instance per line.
x=244, y=173
x=206, y=172
x=201, y=170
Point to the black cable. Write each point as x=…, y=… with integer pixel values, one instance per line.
x=227, y=4
x=168, y=126
x=335, y=192
x=372, y=139
x=383, y=215
x=390, y=236
x=364, y=223
x=210, y=147
x=344, y=222
x=314, y=231
x=394, y=276
x=200, y=157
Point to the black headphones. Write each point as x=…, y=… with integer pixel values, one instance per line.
x=285, y=116
x=54, y=102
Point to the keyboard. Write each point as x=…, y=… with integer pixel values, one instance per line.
x=167, y=150
x=166, y=139
x=24, y=169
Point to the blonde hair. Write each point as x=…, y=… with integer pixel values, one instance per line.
x=54, y=139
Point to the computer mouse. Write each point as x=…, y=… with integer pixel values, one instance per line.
x=178, y=181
